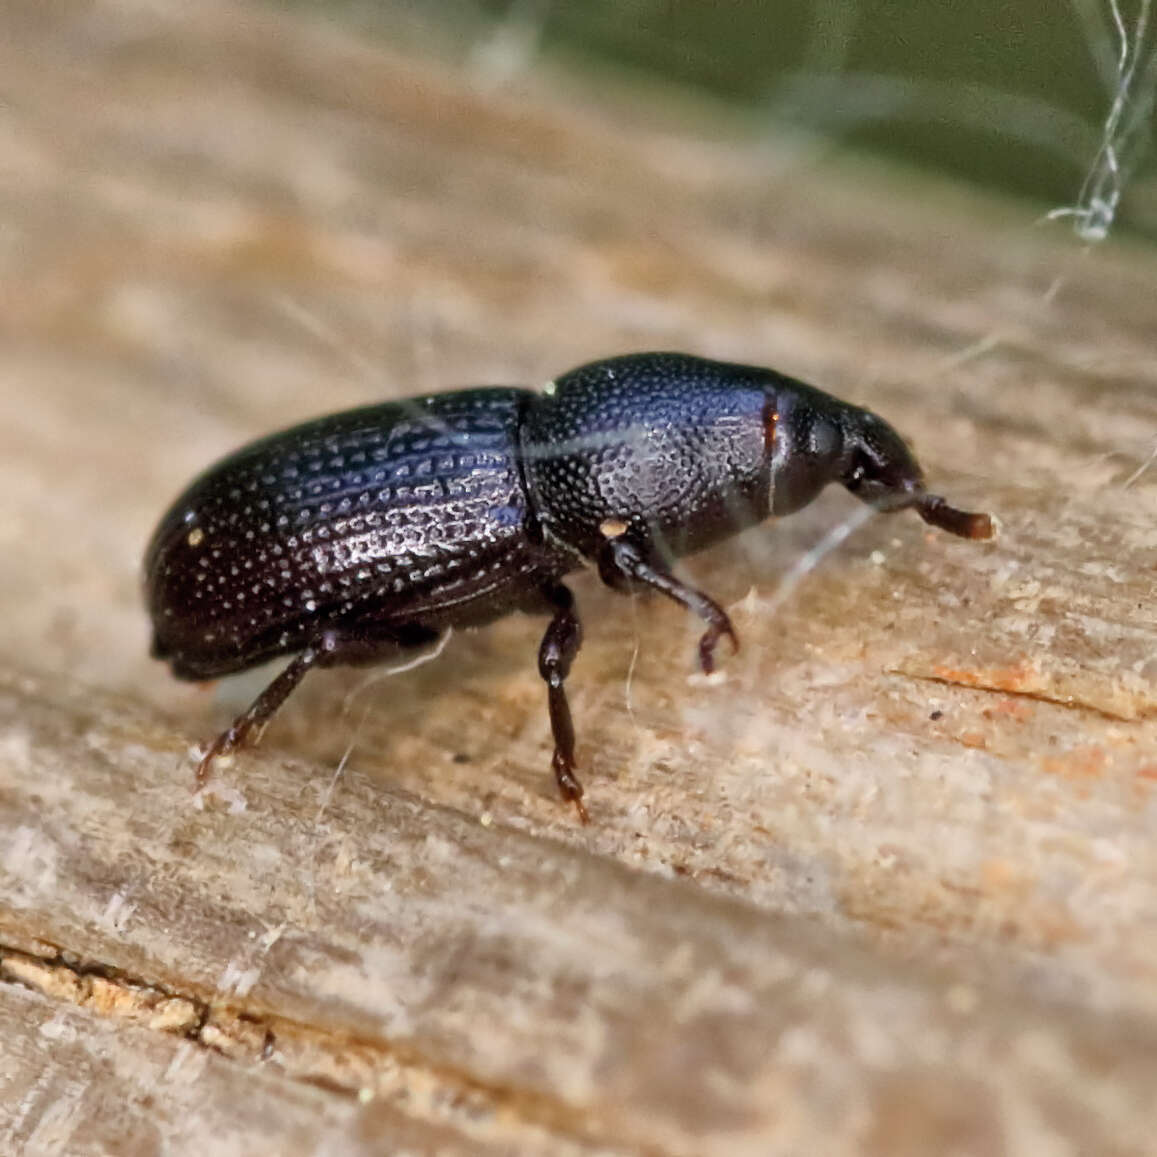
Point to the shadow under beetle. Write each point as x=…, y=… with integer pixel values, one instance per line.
x=349, y=538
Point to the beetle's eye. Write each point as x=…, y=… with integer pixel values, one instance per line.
x=857, y=473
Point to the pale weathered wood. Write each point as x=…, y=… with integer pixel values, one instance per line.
x=889, y=887
x=601, y=1004
x=73, y=1083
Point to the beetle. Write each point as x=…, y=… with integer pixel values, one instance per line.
x=358, y=535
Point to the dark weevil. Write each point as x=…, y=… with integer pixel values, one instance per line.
x=355, y=536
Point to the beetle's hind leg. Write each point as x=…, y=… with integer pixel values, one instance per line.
x=560, y=644
x=263, y=708
x=622, y=563
x=355, y=645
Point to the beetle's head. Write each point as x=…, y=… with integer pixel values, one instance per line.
x=878, y=467
x=821, y=440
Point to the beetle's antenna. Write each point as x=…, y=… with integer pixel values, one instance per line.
x=964, y=523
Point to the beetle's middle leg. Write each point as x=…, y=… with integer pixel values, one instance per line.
x=560, y=644
x=622, y=563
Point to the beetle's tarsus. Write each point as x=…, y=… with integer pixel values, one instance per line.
x=569, y=786
x=224, y=743
x=720, y=625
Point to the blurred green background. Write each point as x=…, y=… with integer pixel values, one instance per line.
x=1010, y=94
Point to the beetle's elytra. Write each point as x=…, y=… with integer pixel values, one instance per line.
x=349, y=538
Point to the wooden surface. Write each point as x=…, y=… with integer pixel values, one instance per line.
x=889, y=887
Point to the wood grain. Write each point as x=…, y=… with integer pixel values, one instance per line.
x=888, y=887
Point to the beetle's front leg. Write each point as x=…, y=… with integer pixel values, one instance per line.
x=622, y=563
x=560, y=644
